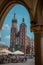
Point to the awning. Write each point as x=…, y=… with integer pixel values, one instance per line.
x=18, y=52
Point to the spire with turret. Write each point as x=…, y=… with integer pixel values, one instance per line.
x=14, y=20
x=14, y=31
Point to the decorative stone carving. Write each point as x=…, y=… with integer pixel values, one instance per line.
x=36, y=28
x=35, y=7
x=38, y=42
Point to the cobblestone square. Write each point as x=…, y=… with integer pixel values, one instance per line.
x=29, y=62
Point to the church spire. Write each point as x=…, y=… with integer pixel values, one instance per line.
x=14, y=20
x=23, y=20
x=14, y=15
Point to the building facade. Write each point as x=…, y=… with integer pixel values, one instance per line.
x=35, y=7
x=13, y=34
x=18, y=39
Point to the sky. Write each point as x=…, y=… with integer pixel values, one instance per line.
x=21, y=12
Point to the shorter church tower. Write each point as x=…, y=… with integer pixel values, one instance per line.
x=22, y=35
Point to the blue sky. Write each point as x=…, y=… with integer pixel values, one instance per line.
x=21, y=12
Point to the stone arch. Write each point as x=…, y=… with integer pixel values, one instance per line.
x=37, y=29
x=9, y=5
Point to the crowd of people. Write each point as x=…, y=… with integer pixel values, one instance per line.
x=12, y=59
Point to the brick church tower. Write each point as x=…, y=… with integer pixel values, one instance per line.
x=13, y=34
x=22, y=35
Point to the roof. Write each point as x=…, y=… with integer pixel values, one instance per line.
x=18, y=52
x=23, y=23
x=14, y=20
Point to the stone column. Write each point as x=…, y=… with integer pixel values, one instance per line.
x=42, y=44
x=0, y=34
x=38, y=42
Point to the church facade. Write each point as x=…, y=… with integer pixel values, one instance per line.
x=35, y=7
x=18, y=39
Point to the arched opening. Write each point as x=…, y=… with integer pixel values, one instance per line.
x=23, y=17
x=8, y=4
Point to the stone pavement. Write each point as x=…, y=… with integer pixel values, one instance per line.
x=29, y=62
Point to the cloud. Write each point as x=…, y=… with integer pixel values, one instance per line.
x=7, y=37
x=6, y=27
x=2, y=42
x=0, y=35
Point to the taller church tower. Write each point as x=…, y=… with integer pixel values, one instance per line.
x=14, y=31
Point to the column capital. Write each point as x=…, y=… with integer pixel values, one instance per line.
x=36, y=28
